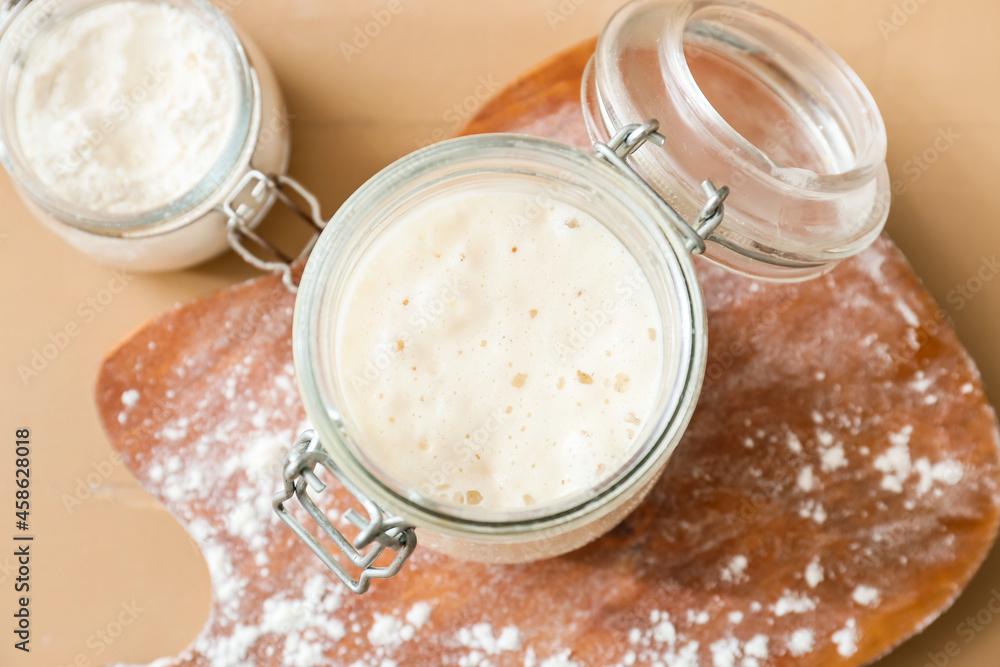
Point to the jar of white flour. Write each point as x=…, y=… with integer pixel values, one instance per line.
x=147, y=133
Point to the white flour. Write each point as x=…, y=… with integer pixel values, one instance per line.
x=125, y=107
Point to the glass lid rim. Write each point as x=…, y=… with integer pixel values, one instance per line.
x=867, y=164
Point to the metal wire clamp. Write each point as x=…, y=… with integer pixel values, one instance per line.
x=389, y=532
x=627, y=141
x=246, y=199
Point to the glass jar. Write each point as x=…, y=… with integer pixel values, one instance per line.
x=221, y=210
x=817, y=195
x=543, y=170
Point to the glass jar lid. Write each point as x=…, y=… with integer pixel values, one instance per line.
x=751, y=101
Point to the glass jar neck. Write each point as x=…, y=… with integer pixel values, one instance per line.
x=748, y=100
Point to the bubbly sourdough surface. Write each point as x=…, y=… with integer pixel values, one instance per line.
x=127, y=106
x=498, y=354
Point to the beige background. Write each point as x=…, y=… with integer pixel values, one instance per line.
x=937, y=72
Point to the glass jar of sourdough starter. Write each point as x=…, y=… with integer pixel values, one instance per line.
x=147, y=133
x=500, y=339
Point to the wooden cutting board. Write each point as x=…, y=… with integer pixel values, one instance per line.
x=835, y=491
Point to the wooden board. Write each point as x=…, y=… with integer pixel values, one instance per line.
x=836, y=489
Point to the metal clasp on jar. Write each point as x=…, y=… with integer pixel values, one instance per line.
x=245, y=201
x=390, y=532
x=628, y=140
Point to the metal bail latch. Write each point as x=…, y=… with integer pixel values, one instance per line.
x=390, y=532
x=628, y=140
x=244, y=202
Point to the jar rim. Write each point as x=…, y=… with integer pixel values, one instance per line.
x=30, y=23
x=326, y=268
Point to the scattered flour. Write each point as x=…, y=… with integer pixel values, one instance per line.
x=661, y=643
x=814, y=573
x=792, y=603
x=895, y=462
x=725, y=652
x=814, y=510
x=757, y=647
x=847, y=639
x=922, y=383
x=947, y=472
x=386, y=629
x=728, y=652
x=736, y=570
x=418, y=615
x=802, y=642
x=130, y=398
x=897, y=466
x=866, y=596
x=833, y=458
x=480, y=637
x=908, y=314
x=806, y=479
